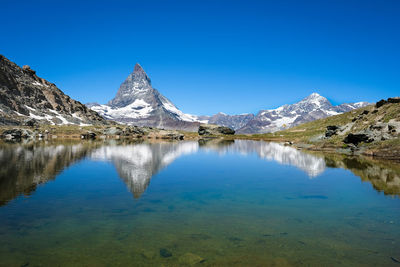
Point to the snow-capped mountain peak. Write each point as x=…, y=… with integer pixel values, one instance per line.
x=137, y=85
x=311, y=108
x=138, y=103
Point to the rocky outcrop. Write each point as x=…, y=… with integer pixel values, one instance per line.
x=24, y=95
x=392, y=100
x=331, y=130
x=215, y=130
x=379, y=131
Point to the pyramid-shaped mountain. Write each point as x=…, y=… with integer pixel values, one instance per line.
x=138, y=103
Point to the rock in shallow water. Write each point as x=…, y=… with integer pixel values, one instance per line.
x=165, y=253
x=190, y=259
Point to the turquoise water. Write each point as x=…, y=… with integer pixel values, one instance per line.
x=242, y=203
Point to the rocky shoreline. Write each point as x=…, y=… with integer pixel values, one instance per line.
x=387, y=152
x=35, y=132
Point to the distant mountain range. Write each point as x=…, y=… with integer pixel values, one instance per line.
x=25, y=96
x=138, y=103
x=311, y=108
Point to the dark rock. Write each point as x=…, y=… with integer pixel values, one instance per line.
x=376, y=127
x=165, y=253
x=225, y=130
x=331, y=130
x=395, y=260
x=365, y=112
x=88, y=135
x=394, y=100
x=203, y=130
x=31, y=122
x=214, y=130
x=357, y=138
x=380, y=103
x=176, y=136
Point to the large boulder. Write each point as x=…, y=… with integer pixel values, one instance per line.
x=113, y=131
x=215, y=130
x=357, y=138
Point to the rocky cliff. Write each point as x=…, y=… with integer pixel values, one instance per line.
x=25, y=96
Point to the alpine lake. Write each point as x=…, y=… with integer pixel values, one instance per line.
x=195, y=203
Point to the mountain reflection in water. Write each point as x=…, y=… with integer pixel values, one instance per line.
x=23, y=167
x=136, y=164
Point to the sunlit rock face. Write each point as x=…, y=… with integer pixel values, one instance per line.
x=137, y=163
x=23, y=168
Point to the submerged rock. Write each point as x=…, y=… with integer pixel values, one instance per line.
x=148, y=254
x=190, y=259
x=165, y=253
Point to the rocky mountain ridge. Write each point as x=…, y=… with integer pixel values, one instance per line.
x=26, y=97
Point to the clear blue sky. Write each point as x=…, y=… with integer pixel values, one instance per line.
x=211, y=56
